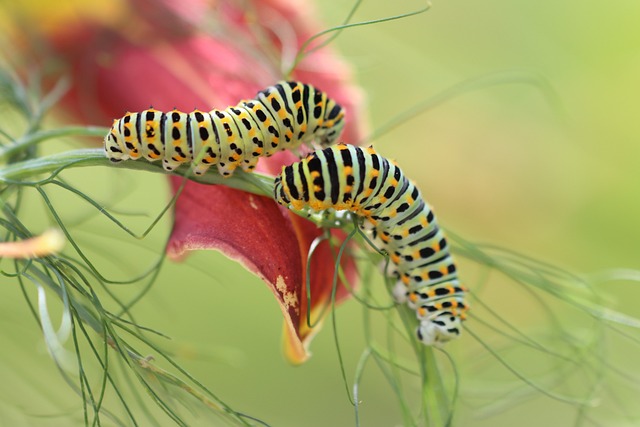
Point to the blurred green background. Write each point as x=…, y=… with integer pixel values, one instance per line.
x=499, y=164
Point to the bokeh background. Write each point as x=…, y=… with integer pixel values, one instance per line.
x=556, y=181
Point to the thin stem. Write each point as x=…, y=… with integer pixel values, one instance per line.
x=18, y=173
x=32, y=139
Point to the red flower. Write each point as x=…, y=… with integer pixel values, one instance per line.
x=160, y=58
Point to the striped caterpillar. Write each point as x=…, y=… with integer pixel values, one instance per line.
x=346, y=177
x=283, y=116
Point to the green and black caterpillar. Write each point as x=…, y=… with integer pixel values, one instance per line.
x=283, y=116
x=346, y=177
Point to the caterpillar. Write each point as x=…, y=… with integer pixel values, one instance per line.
x=346, y=177
x=282, y=116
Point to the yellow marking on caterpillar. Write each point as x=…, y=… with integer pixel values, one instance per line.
x=317, y=205
x=297, y=204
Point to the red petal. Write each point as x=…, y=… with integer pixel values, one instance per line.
x=250, y=229
x=322, y=273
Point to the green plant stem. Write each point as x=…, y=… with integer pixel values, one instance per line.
x=25, y=172
x=31, y=139
x=434, y=391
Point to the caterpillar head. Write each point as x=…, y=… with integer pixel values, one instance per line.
x=114, y=145
x=278, y=191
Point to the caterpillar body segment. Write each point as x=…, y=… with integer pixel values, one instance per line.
x=345, y=177
x=283, y=116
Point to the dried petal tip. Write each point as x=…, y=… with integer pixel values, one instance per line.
x=48, y=243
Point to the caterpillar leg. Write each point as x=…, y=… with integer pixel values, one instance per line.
x=249, y=164
x=439, y=330
x=400, y=292
x=170, y=165
x=205, y=157
x=200, y=169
